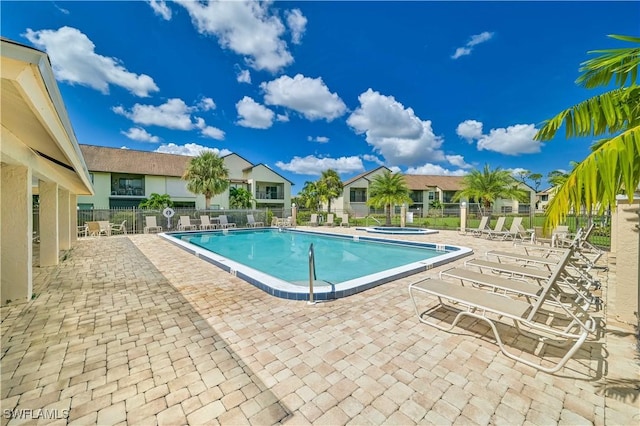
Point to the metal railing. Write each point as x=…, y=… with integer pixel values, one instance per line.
x=312, y=272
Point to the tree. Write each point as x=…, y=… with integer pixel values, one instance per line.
x=240, y=198
x=156, y=202
x=329, y=187
x=488, y=185
x=535, y=178
x=386, y=190
x=613, y=166
x=206, y=174
x=308, y=196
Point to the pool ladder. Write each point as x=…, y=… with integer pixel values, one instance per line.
x=312, y=273
x=374, y=219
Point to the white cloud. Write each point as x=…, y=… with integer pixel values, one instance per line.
x=308, y=96
x=311, y=165
x=513, y=140
x=62, y=10
x=173, y=114
x=458, y=161
x=191, y=149
x=516, y=171
x=373, y=159
x=160, y=8
x=252, y=114
x=282, y=117
x=395, y=132
x=247, y=28
x=319, y=139
x=469, y=130
x=140, y=134
x=434, y=169
x=244, y=76
x=209, y=131
x=475, y=40
x=74, y=60
x=206, y=104
x=297, y=24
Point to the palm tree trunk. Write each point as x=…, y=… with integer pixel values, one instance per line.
x=388, y=222
x=207, y=202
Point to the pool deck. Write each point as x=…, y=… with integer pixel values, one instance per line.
x=133, y=330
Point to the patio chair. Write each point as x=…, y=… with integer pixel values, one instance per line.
x=205, y=223
x=313, y=221
x=151, y=225
x=121, y=229
x=510, y=234
x=251, y=222
x=329, y=221
x=224, y=222
x=548, y=319
x=185, y=224
x=345, y=220
x=497, y=229
x=95, y=229
x=476, y=232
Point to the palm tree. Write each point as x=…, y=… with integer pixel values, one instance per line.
x=613, y=167
x=206, y=174
x=240, y=198
x=156, y=202
x=386, y=190
x=308, y=196
x=488, y=185
x=329, y=187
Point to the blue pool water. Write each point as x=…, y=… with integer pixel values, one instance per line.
x=277, y=260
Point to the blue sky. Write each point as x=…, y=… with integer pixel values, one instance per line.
x=420, y=87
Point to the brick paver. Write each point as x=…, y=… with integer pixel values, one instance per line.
x=133, y=329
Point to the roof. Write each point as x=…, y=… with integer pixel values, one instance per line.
x=361, y=175
x=422, y=182
x=115, y=160
x=270, y=169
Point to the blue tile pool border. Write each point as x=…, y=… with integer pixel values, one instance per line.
x=285, y=290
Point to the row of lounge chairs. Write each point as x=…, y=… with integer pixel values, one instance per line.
x=206, y=223
x=515, y=232
x=545, y=292
x=313, y=221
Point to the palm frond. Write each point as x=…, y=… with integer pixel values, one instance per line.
x=609, y=112
x=621, y=64
x=610, y=170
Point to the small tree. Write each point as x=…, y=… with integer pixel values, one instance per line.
x=156, y=202
x=329, y=187
x=206, y=174
x=240, y=198
x=387, y=190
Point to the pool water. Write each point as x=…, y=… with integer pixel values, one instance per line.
x=285, y=255
x=277, y=260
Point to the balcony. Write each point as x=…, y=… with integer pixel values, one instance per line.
x=269, y=195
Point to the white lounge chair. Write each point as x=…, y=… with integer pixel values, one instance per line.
x=496, y=229
x=329, y=221
x=476, y=232
x=224, y=222
x=185, y=224
x=313, y=221
x=151, y=225
x=345, y=220
x=205, y=223
x=119, y=228
x=512, y=233
x=548, y=319
x=251, y=222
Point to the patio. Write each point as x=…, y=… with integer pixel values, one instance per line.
x=132, y=329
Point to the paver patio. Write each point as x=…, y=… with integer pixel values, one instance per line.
x=133, y=330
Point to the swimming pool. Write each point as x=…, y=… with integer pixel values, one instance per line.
x=277, y=260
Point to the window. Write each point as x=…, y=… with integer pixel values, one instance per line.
x=272, y=192
x=358, y=195
x=122, y=184
x=416, y=196
x=545, y=197
x=431, y=195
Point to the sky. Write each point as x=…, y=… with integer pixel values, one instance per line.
x=419, y=87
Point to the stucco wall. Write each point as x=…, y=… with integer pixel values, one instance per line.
x=102, y=188
x=625, y=237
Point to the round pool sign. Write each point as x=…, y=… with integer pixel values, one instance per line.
x=168, y=212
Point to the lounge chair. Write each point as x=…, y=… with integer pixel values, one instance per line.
x=313, y=221
x=205, y=223
x=224, y=222
x=185, y=224
x=95, y=229
x=548, y=319
x=329, y=221
x=345, y=220
x=119, y=228
x=512, y=233
x=497, y=229
x=151, y=225
x=476, y=232
x=251, y=222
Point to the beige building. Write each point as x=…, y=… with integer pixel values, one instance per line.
x=424, y=190
x=39, y=155
x=123, y=178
